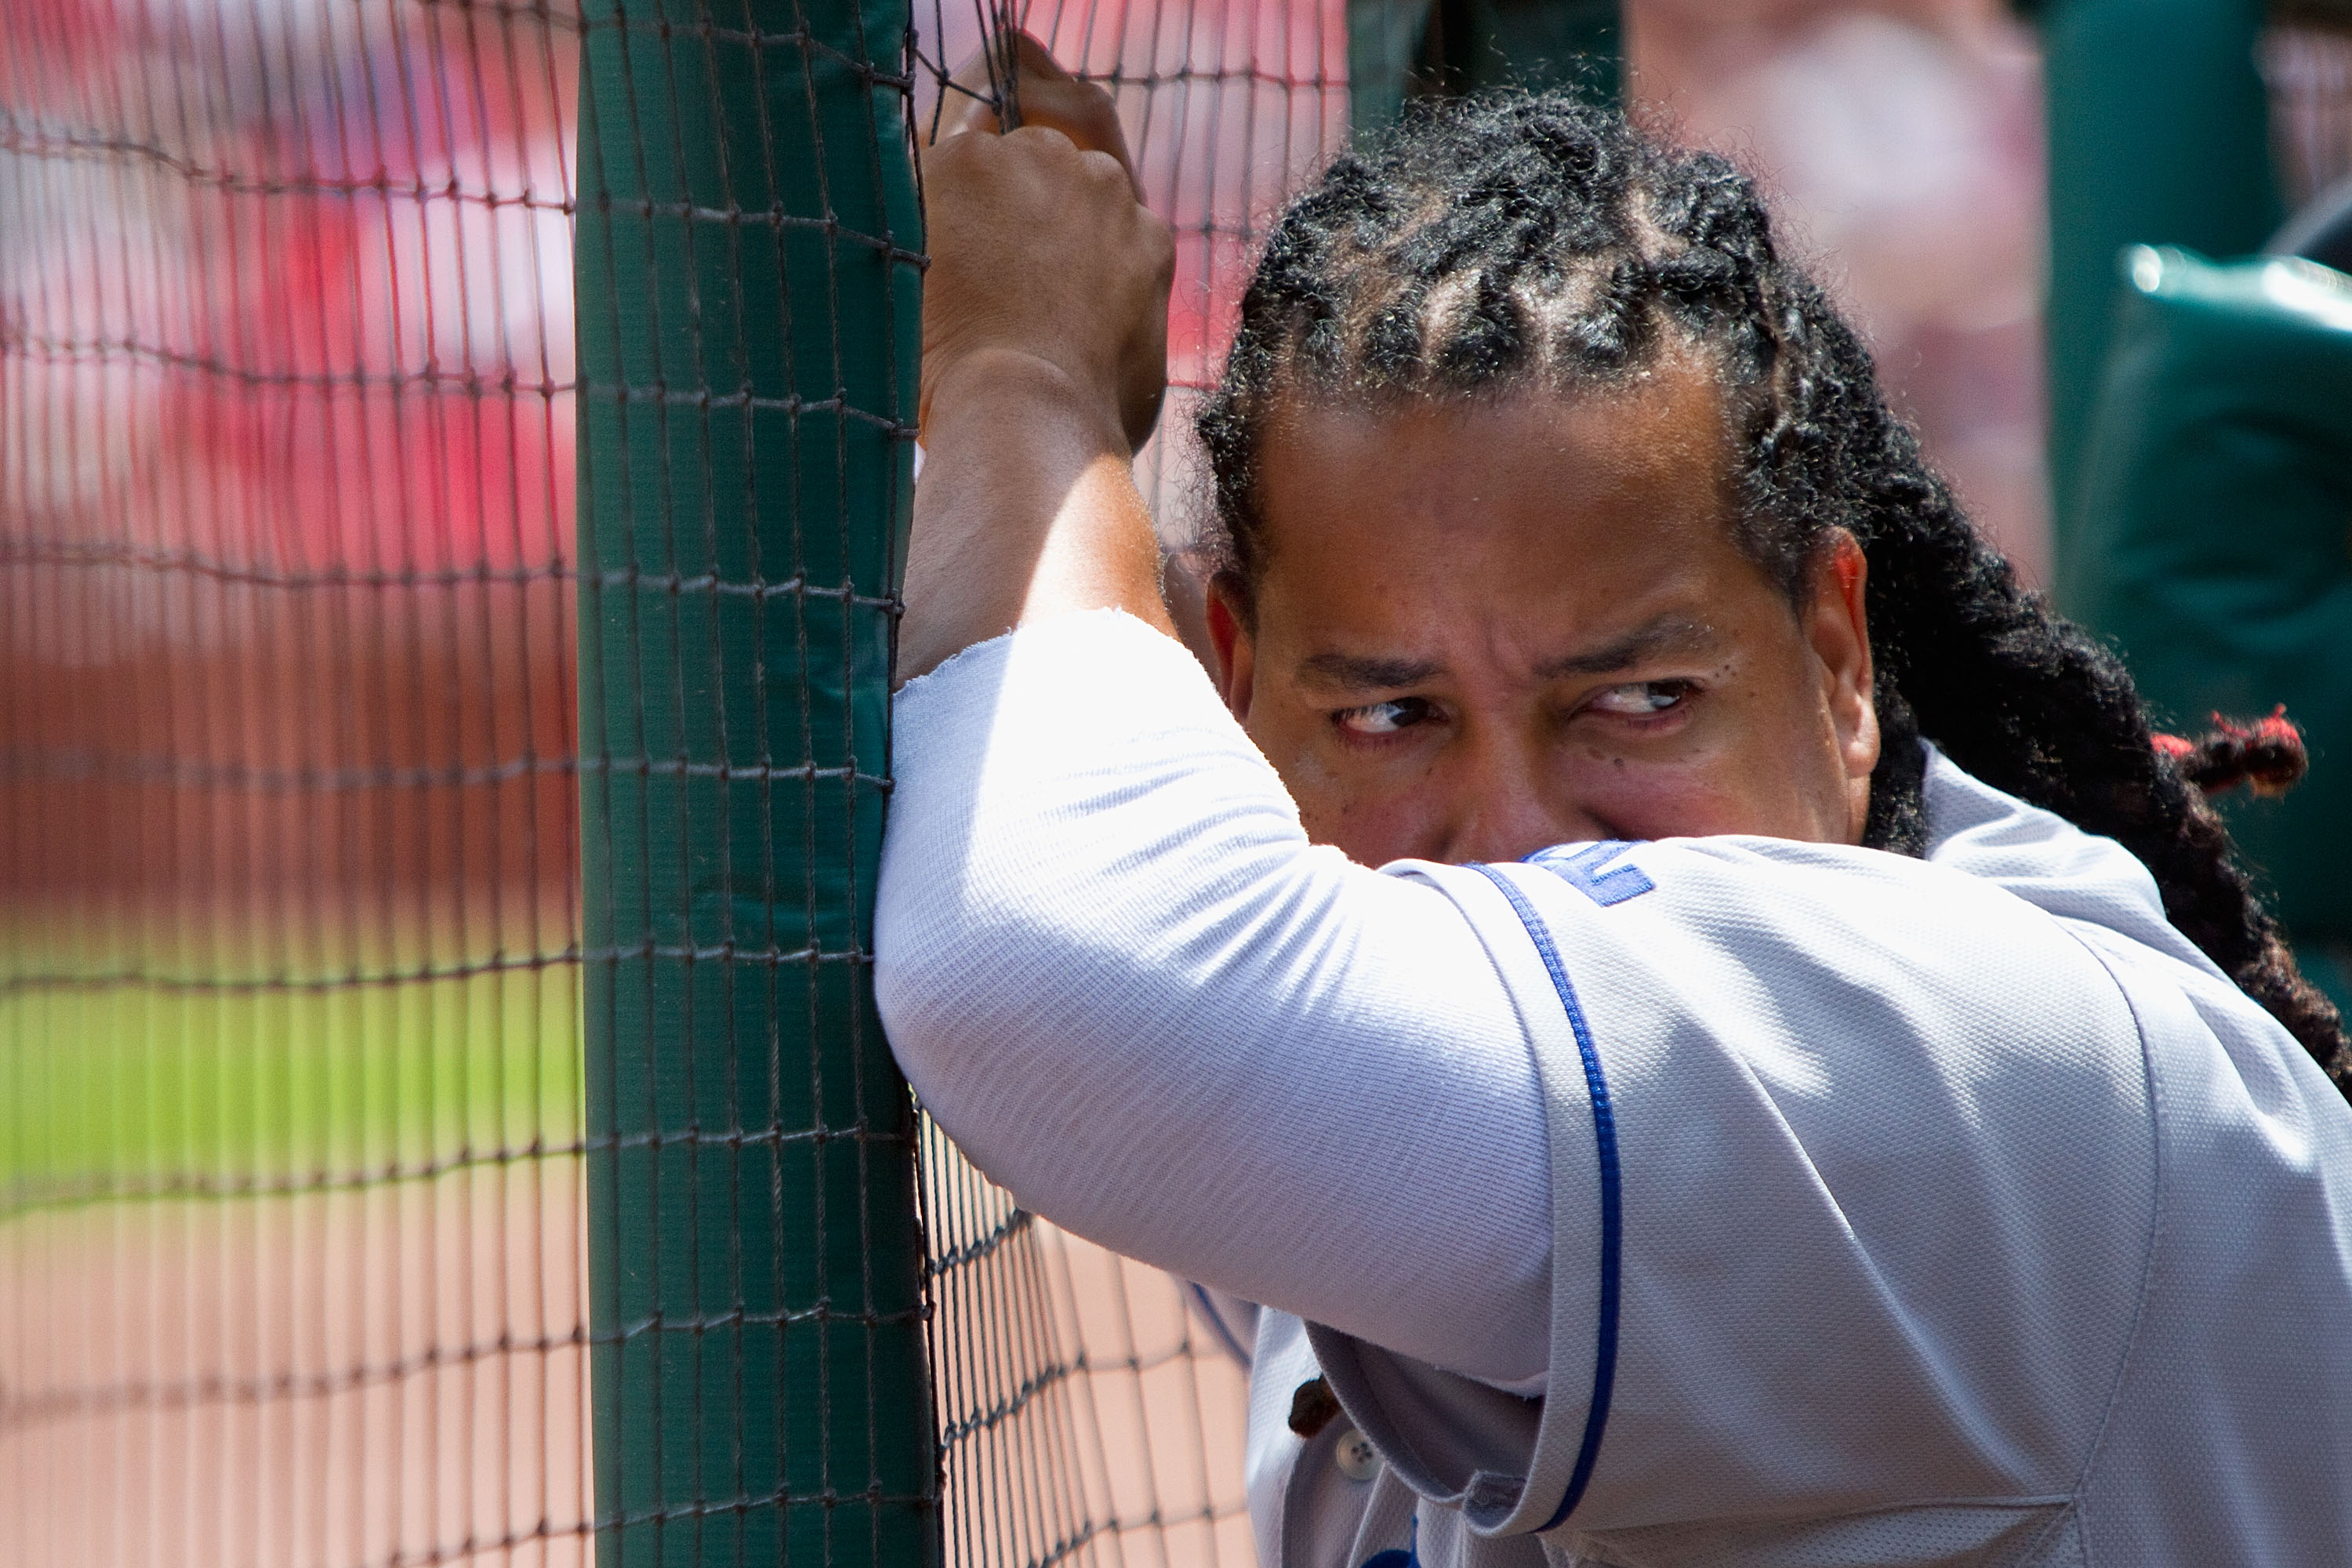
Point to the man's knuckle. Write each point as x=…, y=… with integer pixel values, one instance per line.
x=961, y=156
x=1038, y=141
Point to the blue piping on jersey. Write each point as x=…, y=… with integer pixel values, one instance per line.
x=1408, y=1558
x=1604, y=1142
x=1217, y=1322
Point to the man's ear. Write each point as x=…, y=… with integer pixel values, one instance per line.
x=1838, y=625
x=1229, y=635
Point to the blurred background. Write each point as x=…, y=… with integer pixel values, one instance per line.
x=290, y=1138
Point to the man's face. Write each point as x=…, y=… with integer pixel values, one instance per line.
x=1486, y=627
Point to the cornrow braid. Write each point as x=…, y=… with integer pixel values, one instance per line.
x=1536, y=241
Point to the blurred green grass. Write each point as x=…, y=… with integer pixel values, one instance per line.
x=127, y=1089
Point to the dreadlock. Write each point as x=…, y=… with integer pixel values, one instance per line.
x=1536, y=241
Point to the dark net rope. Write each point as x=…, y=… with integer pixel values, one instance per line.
x=291, y=1128
x=1084, y=1413
x=290, y=1136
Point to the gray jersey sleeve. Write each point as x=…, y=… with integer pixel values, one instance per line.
x=1853, y=1173
x=1125, y=984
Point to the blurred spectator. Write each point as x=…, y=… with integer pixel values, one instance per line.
x=2306, y=63
x=1901, y=143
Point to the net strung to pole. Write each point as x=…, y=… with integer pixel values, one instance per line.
x=1086, y=1412
x=318, y=471
x=290, y=1130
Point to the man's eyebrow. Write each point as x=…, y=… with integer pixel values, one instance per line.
x=1666, y=635
x=1354, y=672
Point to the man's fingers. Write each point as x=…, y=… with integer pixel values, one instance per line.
x=961, y=115
x=1049, y=98
x=982, y=70
x=969, y=99
x=1083, y=112
x=1039, y=244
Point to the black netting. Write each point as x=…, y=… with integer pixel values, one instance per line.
x=302, y=1169
x=290, y=1253
x=1085, y=1412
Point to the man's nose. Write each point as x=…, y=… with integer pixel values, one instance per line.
x=1509, y=819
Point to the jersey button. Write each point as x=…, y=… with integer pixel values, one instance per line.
x=1356, y=1458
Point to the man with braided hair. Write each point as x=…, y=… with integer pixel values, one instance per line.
x=1806, y=1083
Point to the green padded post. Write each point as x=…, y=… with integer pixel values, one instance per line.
x=2217, y=542
x=1398, y=49
x=748, y=296
x=2158, y=134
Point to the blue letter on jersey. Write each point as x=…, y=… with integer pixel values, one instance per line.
x=1586, y=869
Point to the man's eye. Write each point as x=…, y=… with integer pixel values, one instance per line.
x=1642, y=698
x=1384, y=717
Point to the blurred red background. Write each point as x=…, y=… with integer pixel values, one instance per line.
x=286, y=420
x=285, y=462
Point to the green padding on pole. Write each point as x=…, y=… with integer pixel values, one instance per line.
x=747, y=310
x=2217, y=535
x=1401, y=49
x=2158, y=134
x=1383, y=40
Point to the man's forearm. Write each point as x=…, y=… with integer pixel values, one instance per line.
x=1027, y=508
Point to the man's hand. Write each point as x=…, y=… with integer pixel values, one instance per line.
x=1039, y=248
x=1045, y=96
x=1045, y=355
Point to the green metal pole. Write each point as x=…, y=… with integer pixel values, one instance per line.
x=2158, y=134
x=748, y=297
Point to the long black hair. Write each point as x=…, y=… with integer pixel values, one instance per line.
x=1537, y=240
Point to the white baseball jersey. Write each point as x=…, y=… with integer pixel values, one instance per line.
x=1941, y=1211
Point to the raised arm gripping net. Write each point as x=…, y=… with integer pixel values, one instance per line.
x=297, y=1135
